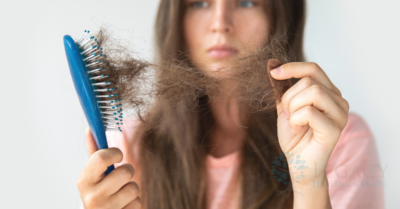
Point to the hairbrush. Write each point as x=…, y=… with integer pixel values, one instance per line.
x=98, y=95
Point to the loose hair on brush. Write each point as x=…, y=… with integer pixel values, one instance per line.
x=172, y=99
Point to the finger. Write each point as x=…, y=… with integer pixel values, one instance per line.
x=323, y=127
x=304, y=84
x=314, y=88
x=90, y=143
x=116, y=179
x=301, y=70
x=318, y=98
x=98, y=163
x=128, y=193
x=300, y=86
x=136, y=204
x=322, y=99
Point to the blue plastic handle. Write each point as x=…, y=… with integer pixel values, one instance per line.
x=86, y=94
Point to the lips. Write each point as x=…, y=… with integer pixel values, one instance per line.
x=221, y=51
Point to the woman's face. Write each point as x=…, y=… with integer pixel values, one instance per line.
x=217, y=30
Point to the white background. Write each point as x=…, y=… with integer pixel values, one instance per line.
x=42, y=128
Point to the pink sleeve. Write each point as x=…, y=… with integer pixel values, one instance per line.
x=354, y=171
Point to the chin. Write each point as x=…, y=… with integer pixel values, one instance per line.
x=217, y=70
x=215, y=67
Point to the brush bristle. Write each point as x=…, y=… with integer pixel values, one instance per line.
x=106, y=91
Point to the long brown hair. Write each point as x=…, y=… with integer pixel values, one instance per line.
x=173, y=151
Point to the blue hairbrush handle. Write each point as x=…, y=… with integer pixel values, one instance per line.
x=86, y=94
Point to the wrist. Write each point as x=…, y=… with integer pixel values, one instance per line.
x=312, y=193
x=316, y=182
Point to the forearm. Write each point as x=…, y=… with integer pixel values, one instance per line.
x=312, y=195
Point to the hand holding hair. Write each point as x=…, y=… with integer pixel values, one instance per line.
x=311, y=116
x=115, y=190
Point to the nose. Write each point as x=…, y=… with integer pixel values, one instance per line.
x=221, y=21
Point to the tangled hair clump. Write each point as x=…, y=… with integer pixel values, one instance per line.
x=141, y=82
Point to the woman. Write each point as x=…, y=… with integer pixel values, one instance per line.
x=209, y=159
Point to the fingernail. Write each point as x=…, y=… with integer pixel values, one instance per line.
x=277, y=71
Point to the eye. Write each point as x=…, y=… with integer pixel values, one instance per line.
x=198, y=4
x=246, y=4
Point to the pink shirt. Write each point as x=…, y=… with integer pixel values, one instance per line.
x=354, y=171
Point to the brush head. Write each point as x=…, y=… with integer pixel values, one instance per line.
x=98, y=95
x=106, y=91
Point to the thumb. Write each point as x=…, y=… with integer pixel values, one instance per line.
x=90, y=143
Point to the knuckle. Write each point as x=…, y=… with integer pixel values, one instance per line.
x=90, y=201
x=126, y=173
x=133, y=188
x=309, y=111
x=307, y=82
x=314, y=65
x=100, y=157
x=317, y=90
